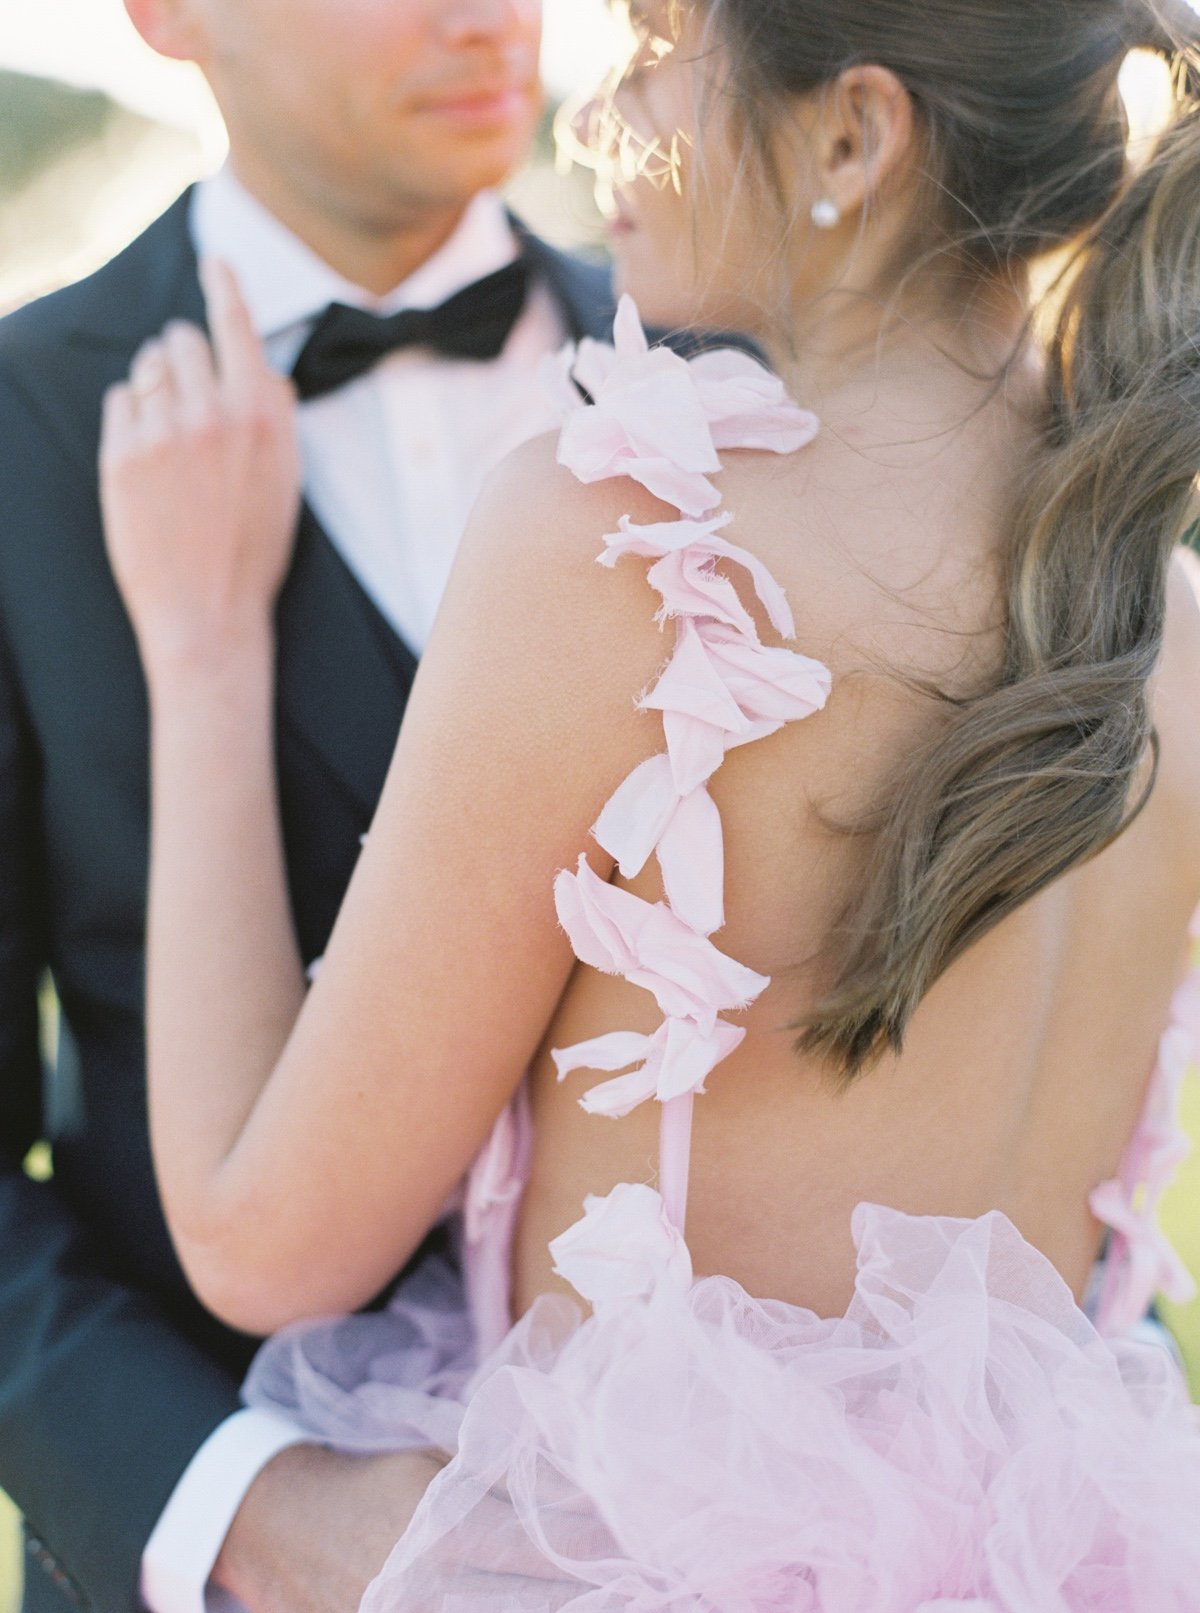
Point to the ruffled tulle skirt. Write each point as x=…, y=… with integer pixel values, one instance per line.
x=961, y=1440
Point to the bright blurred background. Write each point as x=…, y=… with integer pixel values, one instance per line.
x=98, y=135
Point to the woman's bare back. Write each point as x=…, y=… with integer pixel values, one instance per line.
x=1024, y=1069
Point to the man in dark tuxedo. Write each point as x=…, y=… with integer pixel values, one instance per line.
x=365, y=138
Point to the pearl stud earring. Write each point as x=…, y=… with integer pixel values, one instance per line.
x=826, y=214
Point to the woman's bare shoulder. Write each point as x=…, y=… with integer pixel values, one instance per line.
x=531, y=553
x=539, y=525
x=572, y=643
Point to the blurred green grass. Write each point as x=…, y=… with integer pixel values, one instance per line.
x=10, y=1558
x=1181, y=1222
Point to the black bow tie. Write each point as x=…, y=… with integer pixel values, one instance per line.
x=474, y=323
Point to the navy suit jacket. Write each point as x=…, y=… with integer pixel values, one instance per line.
x=111, y=1374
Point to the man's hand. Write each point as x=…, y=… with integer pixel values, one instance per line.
x=316, y=1527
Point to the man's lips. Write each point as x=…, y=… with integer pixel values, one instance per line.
x=482, y=101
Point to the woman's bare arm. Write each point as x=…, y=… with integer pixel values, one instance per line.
x=301, y=1166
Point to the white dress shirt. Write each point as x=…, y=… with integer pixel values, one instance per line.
x=393, y=463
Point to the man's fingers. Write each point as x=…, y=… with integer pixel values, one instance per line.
x=241, y=365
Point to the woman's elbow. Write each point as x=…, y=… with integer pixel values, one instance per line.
x=257, y=1286
x=235, y=1288
x=246, y=1281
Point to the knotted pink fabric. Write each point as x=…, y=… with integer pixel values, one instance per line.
x=685, y=574
x=491, y=1202
x=720, y=691
x=649, y=816
x=619, y=933
x=677, y=1059
x=624, y=1248
x=660, y=420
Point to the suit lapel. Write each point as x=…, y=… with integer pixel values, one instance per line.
x=153, y=280
x=582, y=290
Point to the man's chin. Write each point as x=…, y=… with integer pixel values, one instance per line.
x=455, y=182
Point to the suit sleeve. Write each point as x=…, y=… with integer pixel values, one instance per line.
x=102, y=1402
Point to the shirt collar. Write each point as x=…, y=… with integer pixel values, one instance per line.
x=284, y=281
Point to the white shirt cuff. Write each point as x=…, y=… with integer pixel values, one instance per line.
x=187, y=1540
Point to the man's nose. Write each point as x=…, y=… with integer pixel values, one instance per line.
x=468, y=20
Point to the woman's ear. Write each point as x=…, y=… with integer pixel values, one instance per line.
x=170, y=27
x=864, y=136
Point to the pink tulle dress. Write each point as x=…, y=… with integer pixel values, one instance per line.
x=964, y=1439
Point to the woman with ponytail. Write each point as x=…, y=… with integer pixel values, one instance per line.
x=819, y=865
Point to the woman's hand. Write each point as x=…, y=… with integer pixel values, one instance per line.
x=200, y=485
